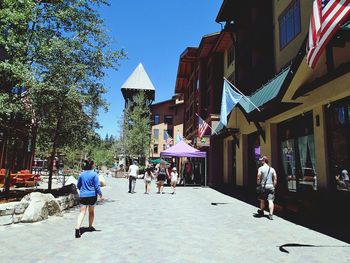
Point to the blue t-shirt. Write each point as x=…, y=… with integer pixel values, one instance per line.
x=88, y=184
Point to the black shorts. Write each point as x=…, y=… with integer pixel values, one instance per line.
x=91, y=200
x=161, y=177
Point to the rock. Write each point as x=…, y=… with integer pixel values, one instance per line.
x=8, y=208
x=71, y=200
x=17, y=218
x=62, y=201
x=21, y=207
x=6, y=220
x=53, y=206
x=37, y=211
x=102, y=180
x=40, y=207
x=71, y=180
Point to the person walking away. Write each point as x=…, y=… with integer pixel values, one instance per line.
x=133, y=172
x=89, y=186
x=173, y=179
x=168, y=175
x=148, y=179
x=161, y=176
x=267, y=178
x=188, y=173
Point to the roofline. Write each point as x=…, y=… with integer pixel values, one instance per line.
x=217, y=19
x=161, y=102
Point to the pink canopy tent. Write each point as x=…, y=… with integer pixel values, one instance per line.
x=182, y=149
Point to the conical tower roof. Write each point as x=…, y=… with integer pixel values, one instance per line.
x=138, y=80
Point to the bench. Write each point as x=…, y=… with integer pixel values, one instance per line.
x=26, y=178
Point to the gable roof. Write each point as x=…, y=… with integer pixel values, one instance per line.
x=138, y=80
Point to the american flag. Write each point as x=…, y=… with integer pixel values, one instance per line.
x=202, y=127
x=326, y=18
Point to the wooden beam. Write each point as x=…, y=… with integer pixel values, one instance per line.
x=341, y=70
x=260, y=130
x=329, y=58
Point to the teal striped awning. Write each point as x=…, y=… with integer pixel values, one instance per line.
x=266, y=93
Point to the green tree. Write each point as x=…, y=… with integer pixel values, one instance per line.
x=57, y=50
x=137, y=127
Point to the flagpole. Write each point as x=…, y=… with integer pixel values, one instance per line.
x=208, y=124
x=244, y=96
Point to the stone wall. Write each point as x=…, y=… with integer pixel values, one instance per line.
x=38, y=206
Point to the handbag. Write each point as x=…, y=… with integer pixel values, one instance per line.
x=261, y=189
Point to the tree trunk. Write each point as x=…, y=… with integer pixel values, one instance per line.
x=54, y=147
x=8, y=163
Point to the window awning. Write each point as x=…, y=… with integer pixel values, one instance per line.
x=266, y=93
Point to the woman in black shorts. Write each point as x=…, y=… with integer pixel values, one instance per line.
x=89, y=187
x=161, y=176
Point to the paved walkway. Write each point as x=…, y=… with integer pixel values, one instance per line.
x=185, y=227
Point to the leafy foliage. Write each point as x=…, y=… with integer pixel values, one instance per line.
x=58, y=52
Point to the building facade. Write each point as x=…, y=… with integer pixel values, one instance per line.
x=166, y=125
x=303, y=113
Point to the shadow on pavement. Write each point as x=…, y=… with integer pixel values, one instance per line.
x=282, y=248
x=107, y=200
x=328, y=214
x=86, y=229
x=256, y=215
x=220, y=203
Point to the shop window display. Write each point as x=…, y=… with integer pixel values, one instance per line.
x=297, y=154
x=339, y=143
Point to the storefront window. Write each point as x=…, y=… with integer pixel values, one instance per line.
x=307, y=161
x=288, y=161
x=297, y=154
x=338, y=124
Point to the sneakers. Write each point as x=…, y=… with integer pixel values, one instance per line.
x=270, y=217
x=260, y=212
x=77, y=233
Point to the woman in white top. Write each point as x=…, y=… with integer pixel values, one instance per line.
x=173, y=179
x=148, y=179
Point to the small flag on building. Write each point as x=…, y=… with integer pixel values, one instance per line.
x=202, y=127
x=229, y=100
x=326, y=17
x=168, y=139
x=179, y=138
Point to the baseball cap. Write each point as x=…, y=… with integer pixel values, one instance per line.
x=174, y=169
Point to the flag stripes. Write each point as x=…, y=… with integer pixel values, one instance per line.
x=202, y=127
x=334, y=13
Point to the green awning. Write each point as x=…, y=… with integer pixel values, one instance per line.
x=267, y=92
x=156, y=161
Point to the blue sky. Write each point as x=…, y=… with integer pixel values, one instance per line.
x=154, y=33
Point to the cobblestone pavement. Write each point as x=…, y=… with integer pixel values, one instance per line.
x=185, y=227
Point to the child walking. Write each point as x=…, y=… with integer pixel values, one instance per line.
x=148, y=179
x=173, y=180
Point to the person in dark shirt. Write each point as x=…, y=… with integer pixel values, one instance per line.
x=89, y=187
